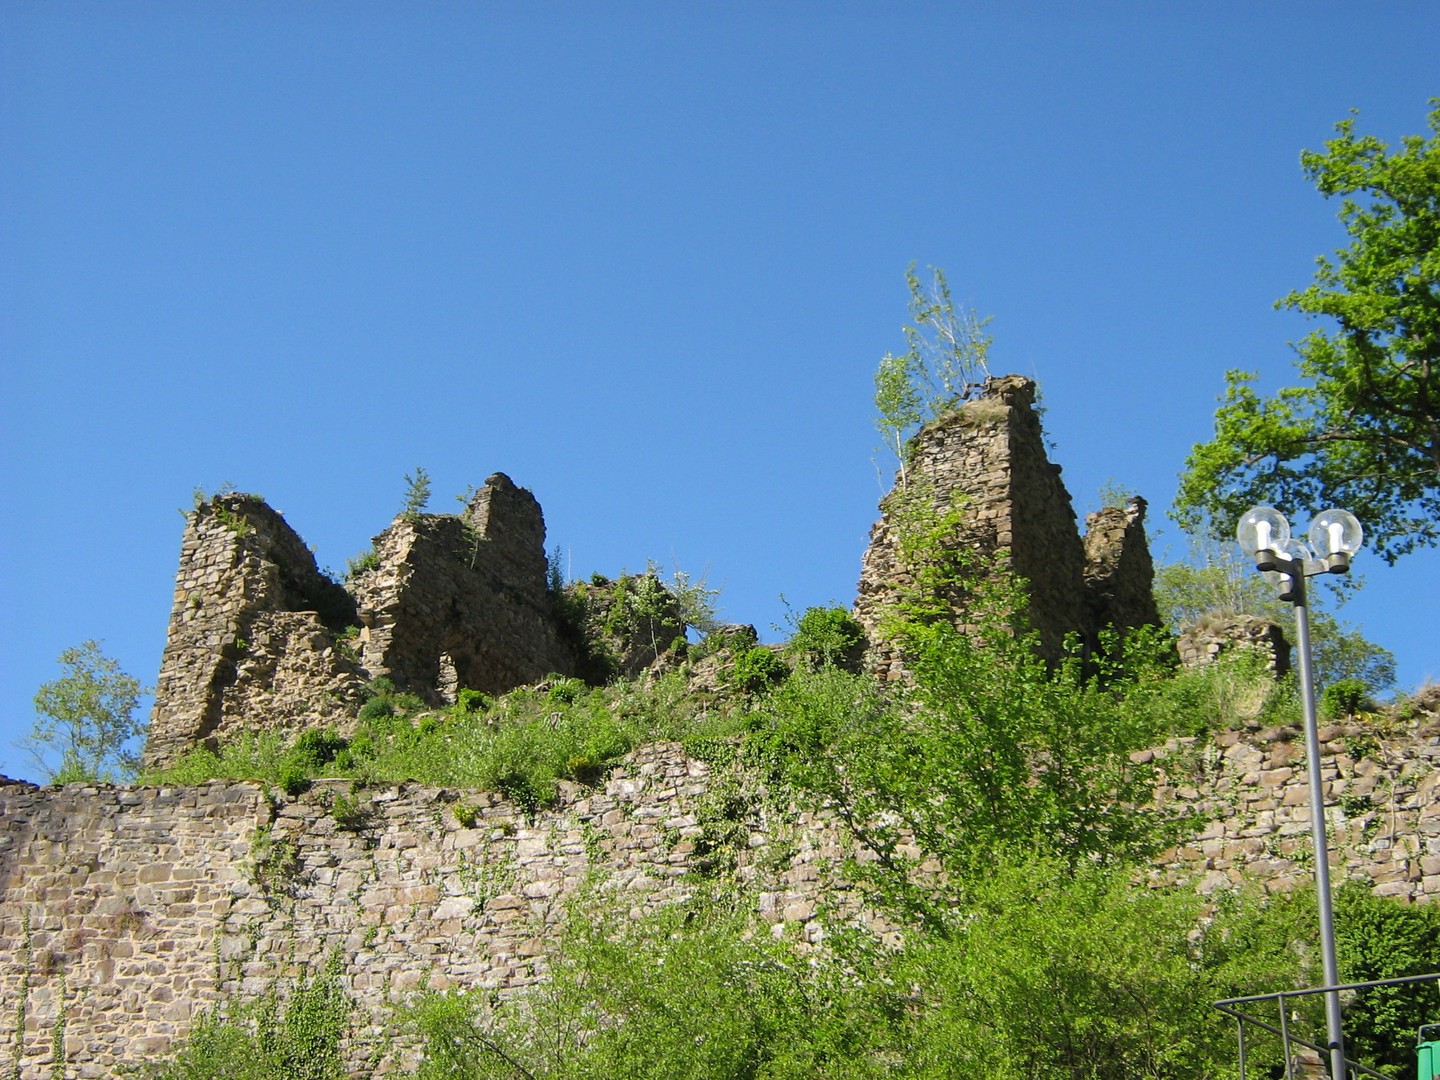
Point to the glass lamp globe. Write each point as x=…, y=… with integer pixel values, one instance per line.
x=1335, y=531
x=1262, y=528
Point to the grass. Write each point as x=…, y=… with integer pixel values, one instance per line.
x=522, y=743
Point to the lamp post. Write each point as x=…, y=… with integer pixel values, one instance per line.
x=1334, y=537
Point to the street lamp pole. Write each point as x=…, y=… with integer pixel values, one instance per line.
x=1334, y=536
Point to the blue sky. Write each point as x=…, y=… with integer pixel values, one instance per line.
x=643, y=258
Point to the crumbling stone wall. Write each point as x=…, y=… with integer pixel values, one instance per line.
x=1215, y=635
x=124, y=912
x=1382, y=796
x=252, y=632
x=462, y=601
x=255, y=640
x=1119, y=574
x=988, y=457
x=626, y=625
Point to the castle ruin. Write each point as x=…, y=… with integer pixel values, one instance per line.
x=987, y=460
x=126, y=912
x=261, y=640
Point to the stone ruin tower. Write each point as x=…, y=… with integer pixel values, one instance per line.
x=260, y=639
x=990, y=453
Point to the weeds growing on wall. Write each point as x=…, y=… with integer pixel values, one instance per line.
x=522, y=744
x=294, y=1036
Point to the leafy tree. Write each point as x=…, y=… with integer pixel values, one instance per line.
x=1221, y=583
x=686, y=992
x=87, y=717
x=942, y=366
x=695, y=599
x=1378, y=937
x=1077, y=972
x=897, y=401
x=827, y=637
x=1363, y=431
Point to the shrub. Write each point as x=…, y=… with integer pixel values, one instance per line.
x=293, y=779
x=1348, y=697
x=827, y=636
x=726, y=639
x=471, y=701
x=755, y=670
x=317, y=747
x=356, y=565
x=376, y=708
x=567, y=691
x=265, y=1039
x=350, y=813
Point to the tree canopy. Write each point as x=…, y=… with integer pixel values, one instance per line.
x=942, y=366
x=87, y=717
x=1363, y=429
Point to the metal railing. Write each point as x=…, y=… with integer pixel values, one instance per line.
x=1288, y=1040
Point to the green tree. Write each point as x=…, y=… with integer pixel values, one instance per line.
x=897, y=403
x=689, y=992
x=1077, y=972
x=1363, y=430
x=942, y=366
x=1378, y=937
x=87, y=717
x=1216, y=582
x=417, y=493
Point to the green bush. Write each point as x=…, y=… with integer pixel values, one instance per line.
x=298, y=1037
x=317, y=747
x=376, y=708
x=688, y=993
x=567, y=691
x=294, y=778
x=471, y=701
x=356, y=565
x=827, y=636
x=1348, y=697
x=733, y=639
x=350, y=813
x=755, y=670
x=1378, y=937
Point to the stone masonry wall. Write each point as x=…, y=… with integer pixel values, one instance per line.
x=1218, y=633
x=124, y=912
x=1119, y=575
x=463, y=601
x=254, y=640
x=251, y=640
x=1382, y=796
x=990, y=453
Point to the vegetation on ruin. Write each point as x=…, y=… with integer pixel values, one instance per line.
x=1008, y=826
x=1001, y=809
x=944, y=363
x=296, y=1036
x=417, y=494
x=1217, y=583
x=1003, y=823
